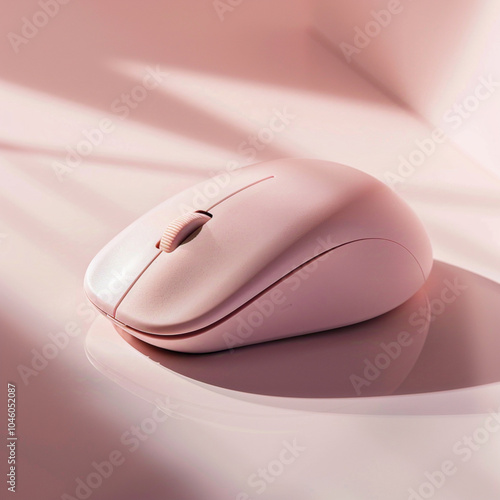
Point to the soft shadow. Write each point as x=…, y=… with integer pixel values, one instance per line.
x=267, y=45
x=63, y=428
x=452, y=343
x=60, y=155
x=460, y=349
x=323, y=365
x=418, y=55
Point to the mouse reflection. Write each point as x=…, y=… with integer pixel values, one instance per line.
x=366, y=359
x=445, y=337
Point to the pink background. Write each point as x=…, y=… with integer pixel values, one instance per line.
x=220, y=83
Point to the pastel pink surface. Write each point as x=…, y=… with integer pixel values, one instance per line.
x=218, y=93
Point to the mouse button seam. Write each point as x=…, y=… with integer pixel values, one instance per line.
x=239, y=191
x=115, y=309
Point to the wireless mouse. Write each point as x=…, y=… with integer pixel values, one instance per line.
x=272, y=250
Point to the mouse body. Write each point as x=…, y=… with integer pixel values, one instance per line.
x=273, y=250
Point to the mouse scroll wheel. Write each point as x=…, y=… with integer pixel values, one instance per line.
x=178, y=230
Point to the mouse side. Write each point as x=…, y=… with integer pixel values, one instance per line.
x=308, y=300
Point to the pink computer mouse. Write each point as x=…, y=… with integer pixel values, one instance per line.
x=273, y=250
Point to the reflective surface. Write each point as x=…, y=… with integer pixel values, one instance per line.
x=220, y=85
x=422, y=348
